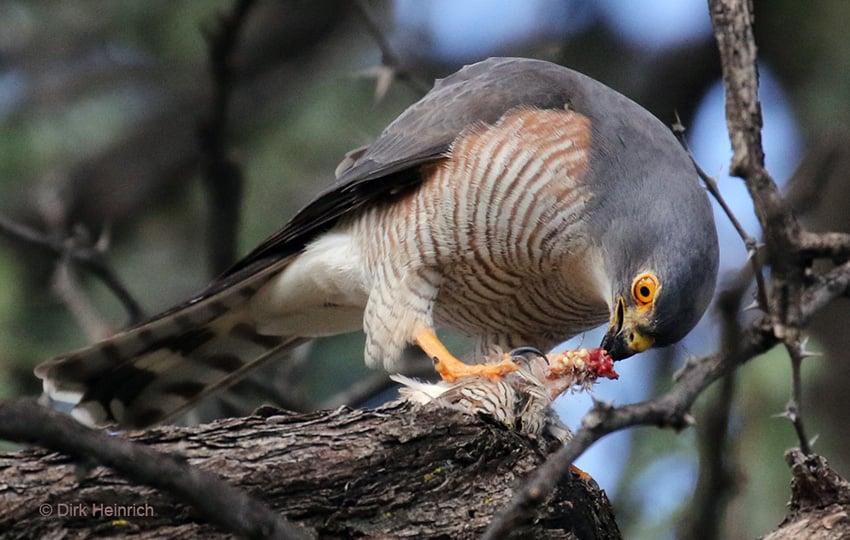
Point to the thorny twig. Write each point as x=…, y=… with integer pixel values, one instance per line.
x=750, y=242
x=793, y=410
x=732, y=21
x=391, y=64
x=716, y=479
x=65, y=284
x=78, y=251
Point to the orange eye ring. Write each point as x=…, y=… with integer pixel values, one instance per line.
x=644, y=289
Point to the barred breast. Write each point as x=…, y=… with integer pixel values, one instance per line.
x=491, y=236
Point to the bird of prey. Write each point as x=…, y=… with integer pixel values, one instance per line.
x=518, y=202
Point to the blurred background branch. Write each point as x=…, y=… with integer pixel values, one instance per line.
x=222, y=176
x=77, y=251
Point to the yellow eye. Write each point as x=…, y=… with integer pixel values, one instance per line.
x=644, y=288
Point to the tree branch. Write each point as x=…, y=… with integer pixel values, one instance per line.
x=733, y=21
x=78, y=251
x=391, y=65
x=717, y=479
x=222, y=175
x=820, y=501
x=221, y=503
x=399, y=471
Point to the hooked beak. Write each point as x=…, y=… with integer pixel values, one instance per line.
x=624, y=337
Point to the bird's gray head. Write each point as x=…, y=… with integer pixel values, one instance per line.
x=659, y=240
x=663, y=268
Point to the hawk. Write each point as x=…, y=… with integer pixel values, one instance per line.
x=518, y=202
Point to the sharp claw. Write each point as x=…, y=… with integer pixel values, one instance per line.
x=519, y=360
x=518, y=355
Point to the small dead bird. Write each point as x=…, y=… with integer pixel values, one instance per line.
x=521, y=400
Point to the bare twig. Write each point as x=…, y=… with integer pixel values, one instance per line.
x=833, y=245
x=717, y=480
x=733, y=29
x=750, y=242
x=834, y=284
x=66, y=286
x=78, y=251
x=391, y=64
x=222, y=175
x=793, y=409
x=732, y=21
x=223, y=504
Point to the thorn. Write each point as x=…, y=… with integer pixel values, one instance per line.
x=751, y=251
x=790, y=411
x=787, y=414
x=594, y=417
x=690, y=362
x=601, y=405
x=752, y=306
x=689, y=419
x=384, y=78
x=104, y=240
x=804, y=352
x=677, y=127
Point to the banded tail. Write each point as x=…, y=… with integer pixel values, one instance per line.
x=153, y=371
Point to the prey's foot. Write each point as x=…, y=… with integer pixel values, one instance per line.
x=580, y=473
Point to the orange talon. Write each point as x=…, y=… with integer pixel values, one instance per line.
x=451, y=369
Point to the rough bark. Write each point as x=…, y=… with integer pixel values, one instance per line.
x=397, y=471
x=820, y=501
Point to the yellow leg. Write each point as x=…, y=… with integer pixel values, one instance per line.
x=451, y=369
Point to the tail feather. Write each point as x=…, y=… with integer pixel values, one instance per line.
x=153, y=371
x=162, y=384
